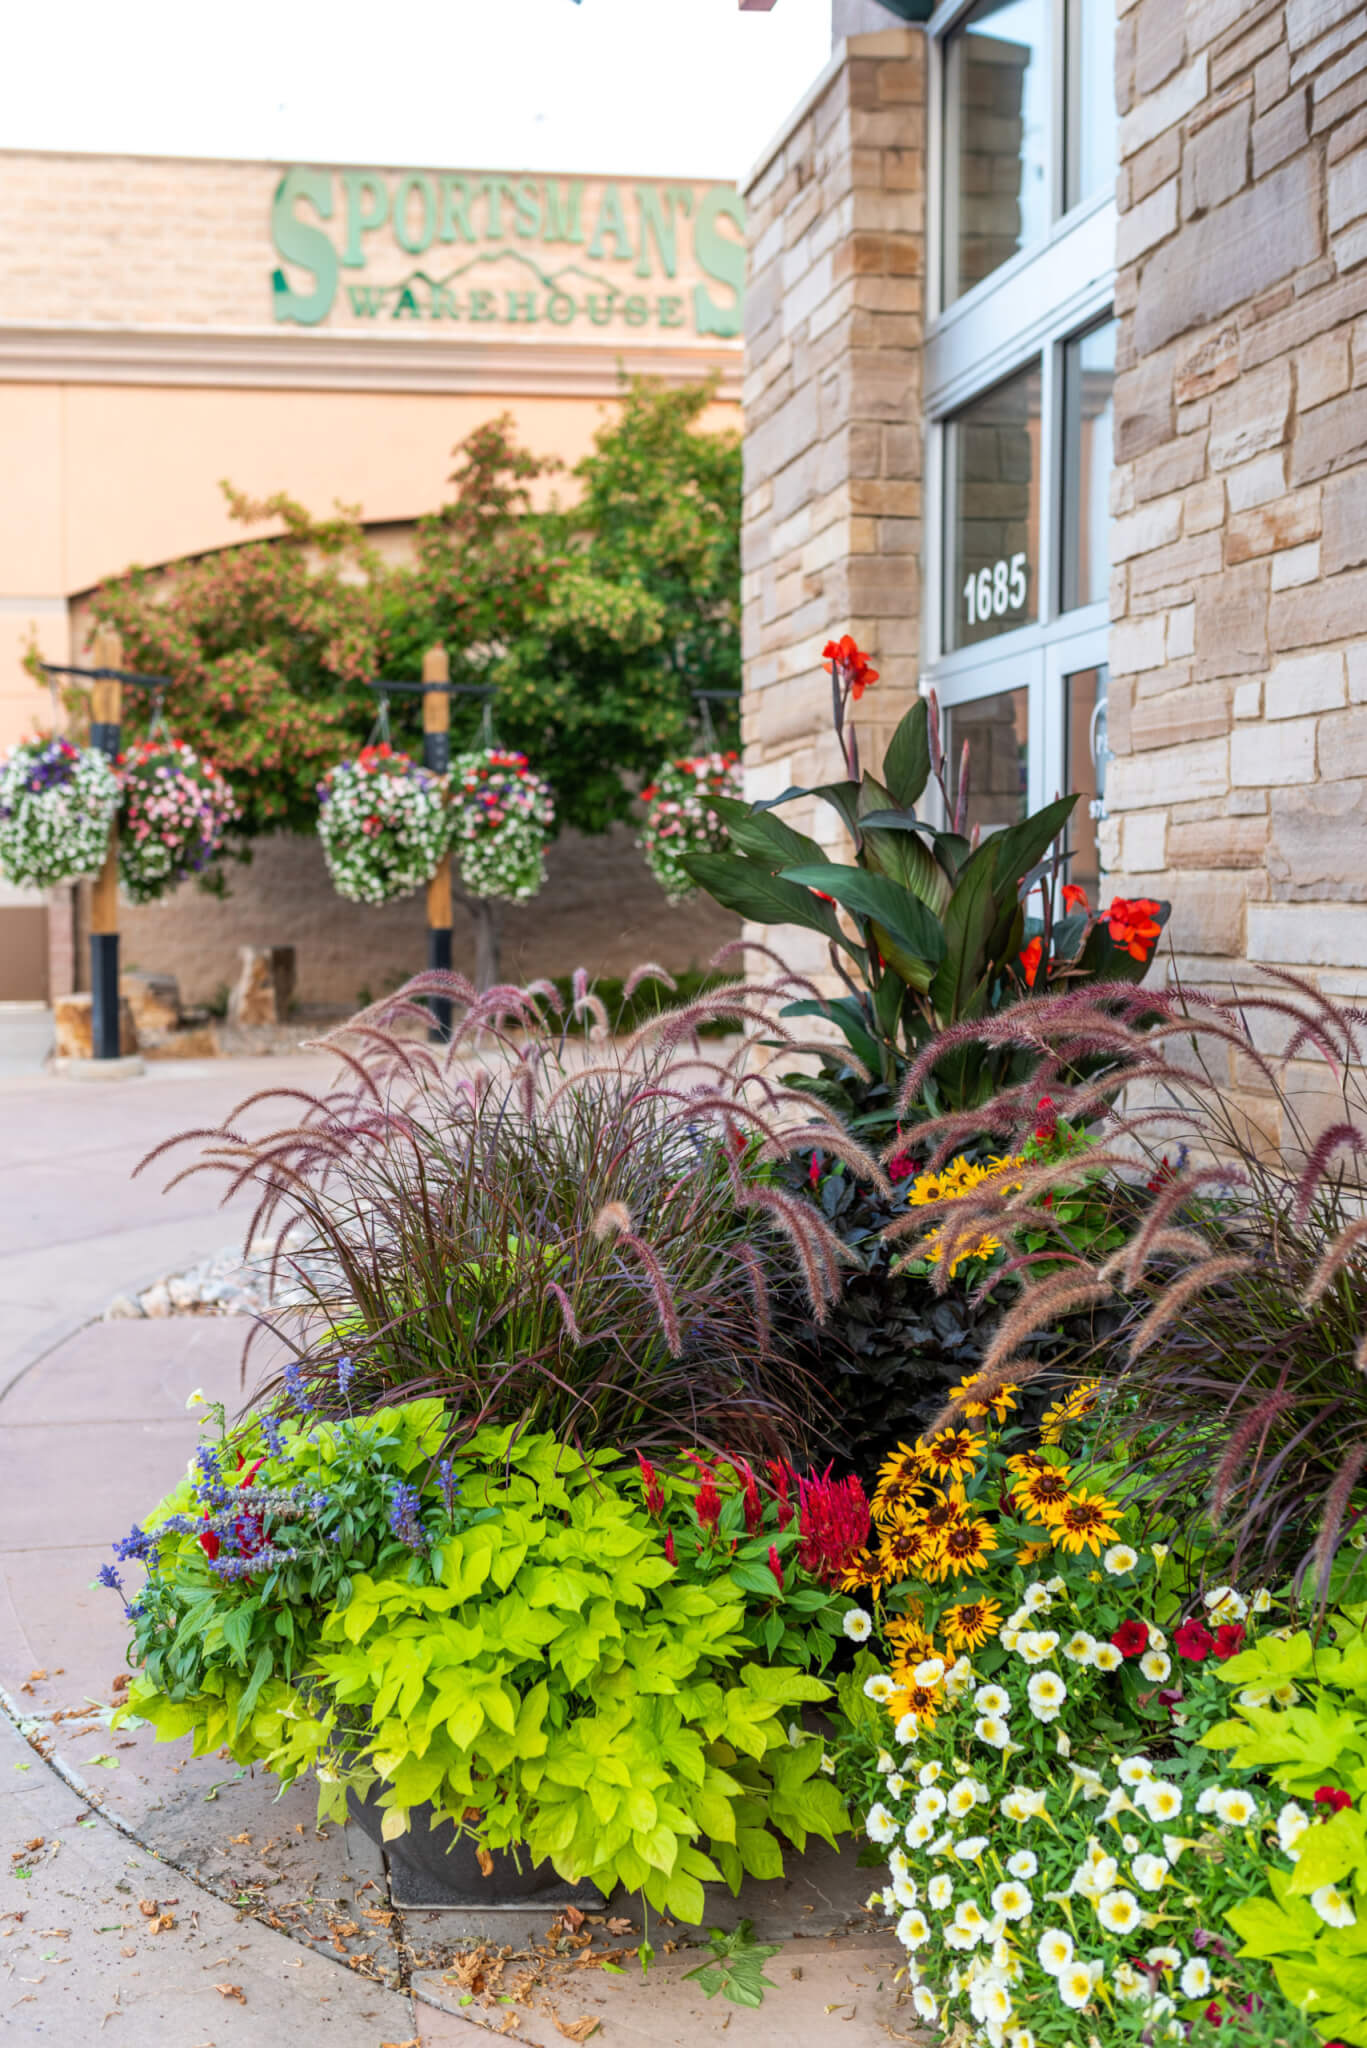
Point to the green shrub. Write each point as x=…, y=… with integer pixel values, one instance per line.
x=502, y=1634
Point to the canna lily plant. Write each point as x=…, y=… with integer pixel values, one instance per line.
x=928, y=925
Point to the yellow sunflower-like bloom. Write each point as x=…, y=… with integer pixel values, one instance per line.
x=998, y=1403
x=922, y=1700
x=951, y=1453
x=1074, y=1405
x=963, y=1547
x=1032, y=1553
x=905, y=1550
x=910, y=1640
x=1084, y=1521
x=864, y=1575
x=901, y=1478
x=971, y=1623
x=1038, y=1493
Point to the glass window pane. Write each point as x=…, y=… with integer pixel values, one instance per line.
x=996, y=115
x=997, y=731
x=1090, y=147
x=992, y=514
x=1087, y=754
x=1088, y=382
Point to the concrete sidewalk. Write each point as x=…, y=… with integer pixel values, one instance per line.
x=138, y=1883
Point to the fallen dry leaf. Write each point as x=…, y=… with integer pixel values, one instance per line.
x=578, y=2030
x=148, y=1908
x=163, y=1923
x=231, y=1991
x=486, y=1862
x=574, y=1919
x=620, y=1926
x=121, y=1683
x=239, y=1838
x=36, y=1843
x=39, y=1673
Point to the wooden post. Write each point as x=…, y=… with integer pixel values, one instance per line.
x=106, y=715
x=436, y=755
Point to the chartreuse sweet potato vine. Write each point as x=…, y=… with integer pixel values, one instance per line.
x=503, y=1633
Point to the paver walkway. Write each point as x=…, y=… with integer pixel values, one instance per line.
x=172, y=1902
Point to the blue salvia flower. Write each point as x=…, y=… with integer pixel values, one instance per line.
x=137, y=1545
x=296, y=1389
x=133, y=1610
x=319, y=1503
x=108, y=1576
x=246, y=1567
x=346, y=1373
x=404, y=1518
x=178, y=1525
x=209, y=1486
x=446, y=1480
x=271, y=1431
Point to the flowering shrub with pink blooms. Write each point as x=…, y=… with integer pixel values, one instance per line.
x=57, y=803
x=385, y=824
x=504, y=816
x=174, y=811
x=683, y=818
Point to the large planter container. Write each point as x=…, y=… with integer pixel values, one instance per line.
x=433, y=1867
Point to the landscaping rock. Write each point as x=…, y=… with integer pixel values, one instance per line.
x=154, y=1000
x=265, y=986
x=72, y=1022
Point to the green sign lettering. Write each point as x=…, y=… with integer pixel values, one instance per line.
x=367, y=208
x=297, y=242
x=611, y=221
x=723, y=259
x=415, y=183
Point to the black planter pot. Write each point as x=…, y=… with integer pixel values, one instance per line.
x=431, y=1866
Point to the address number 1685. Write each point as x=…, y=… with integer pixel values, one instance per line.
x=995, y=590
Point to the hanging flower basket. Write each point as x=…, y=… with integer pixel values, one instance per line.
x=57, y=803
x=174, y=813
x=504, y=816
x=385, y=824
x=681, y=819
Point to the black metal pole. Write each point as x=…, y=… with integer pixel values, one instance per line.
x=436, y=756
x=106, y=706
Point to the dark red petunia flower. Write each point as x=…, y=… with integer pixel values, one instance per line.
x=1131, y=1638
x=1333, y=1798
x=1229, y=1640
x=1193, y=1641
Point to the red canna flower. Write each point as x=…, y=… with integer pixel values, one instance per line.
x=1330, y=1796
x=1131, y=1638
x=670, y=1557
x=1193, y=1641
x=1133, y=925
x=1229, y=1640
x=842, y=658
x=1074, y=897
x=775, y=1567
x=1031, y=958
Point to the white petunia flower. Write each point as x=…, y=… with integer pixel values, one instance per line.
x=1150, y=1872
x=1236, y=1808
x=1046, y=1693
x=1075, y=1986
x=992, y=1699
x=923, y=2002
x=1036, y=1598
x=1156, y=1665
x=1062, y=1746
x=1120, y=1559
x=970, y=1848
x=1107, y=1657
x=928, y=1773
x=1023, y=1864
x=1055, y=1950
x=918, y=1830
x=884, y=1763
x=1036, y=1645
x=1160, y=1799
x=1333, y=1906
x=1118, y=1911
x=1164, y=1958
x=929, y=1671
x=913, y=1929
x=1092, y=1783
x=1292, y=1823
x=879, y=1688
x=991, y=1729
x=931, y=1802
x=940, y=1891
x=1129, y=1843
x=857, y=1625
x=1080, y=1647
x=1196, y=1980
x=1225, y=1604
x=1208, y=1800
x=994, y=2004
x=1173, y=1846
x=1012, y=1899
x=1261, y=1601
x=963, y=1798
x=897, y=1785
x=1134, y=1770
x=879, y=1824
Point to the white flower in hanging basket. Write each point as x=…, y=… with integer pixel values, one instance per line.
x=504, y=816
x=681, y=819
x=385, y=824
x=175, y=811
x=57, y=803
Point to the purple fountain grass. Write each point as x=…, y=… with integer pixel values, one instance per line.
x=538, y=1224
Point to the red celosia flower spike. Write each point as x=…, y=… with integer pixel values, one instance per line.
x=670, y=1557
x=1131, y=1638
x=754, y=1507
x=654, y=1494
x=781, y=1477
x=707, y=1503
x=1133, y=925
x=834, y=1521
x=775, y=1567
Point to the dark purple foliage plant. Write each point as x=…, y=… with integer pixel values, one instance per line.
x=1234, y=1129
x=545, y=1225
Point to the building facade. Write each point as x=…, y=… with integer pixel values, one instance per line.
x=1056, y=398
x=331, y=332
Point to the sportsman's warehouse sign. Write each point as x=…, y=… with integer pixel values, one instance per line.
x=404, y=248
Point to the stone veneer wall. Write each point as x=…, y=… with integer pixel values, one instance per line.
x=831, y=530
x=1239, y=591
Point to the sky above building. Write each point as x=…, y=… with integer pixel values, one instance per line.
x=656, y=87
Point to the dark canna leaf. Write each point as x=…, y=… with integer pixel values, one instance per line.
x=906, y=765
x=749, y=889
x=905, y=859
x=968, y=921
x=841, y=796
x=764, y=838
x=845, y=1012
x=1020, y=846
x=903, y=916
